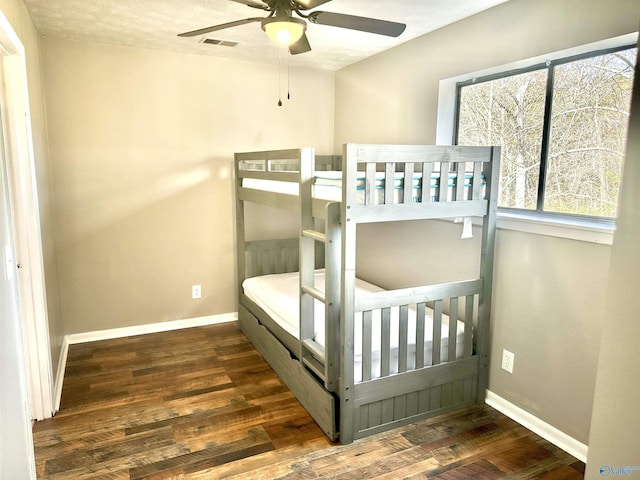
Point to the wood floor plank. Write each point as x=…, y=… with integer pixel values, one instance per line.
x=299, y=429
x=389, y=464
x=122, y=447
x=563, y=473
x=267, y=466
x=522, y=455
x=480, y=470
x=201, y=403
x=255, y=441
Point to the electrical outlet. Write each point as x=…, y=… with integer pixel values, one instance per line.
x=507, y=360
x=196, y=291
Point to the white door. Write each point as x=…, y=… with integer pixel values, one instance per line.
x=16, y=443
x=19, y=174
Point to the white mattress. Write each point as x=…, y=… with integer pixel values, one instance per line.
x=278, y=296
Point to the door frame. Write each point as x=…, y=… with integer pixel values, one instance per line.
x=26, y=221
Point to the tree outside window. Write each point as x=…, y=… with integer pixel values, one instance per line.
x=562, y=127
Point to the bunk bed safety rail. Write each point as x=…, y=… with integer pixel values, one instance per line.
x=416, y=174
x=251, y=164
x=421, y=182
x=275, y=178
x=410, y=329
x=282, y=165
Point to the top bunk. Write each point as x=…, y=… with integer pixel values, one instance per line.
x=375, y=183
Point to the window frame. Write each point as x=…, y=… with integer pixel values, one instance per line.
x=549, y=65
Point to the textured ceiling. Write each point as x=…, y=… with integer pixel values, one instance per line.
x=155, y=24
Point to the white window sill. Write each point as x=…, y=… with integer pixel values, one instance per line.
x=554, y=227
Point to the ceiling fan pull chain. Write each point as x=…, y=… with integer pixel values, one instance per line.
x=279, y=77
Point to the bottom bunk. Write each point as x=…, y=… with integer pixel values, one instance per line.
x=431, y=380
x=277, y=295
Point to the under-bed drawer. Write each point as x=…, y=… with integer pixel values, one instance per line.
x=320, y=404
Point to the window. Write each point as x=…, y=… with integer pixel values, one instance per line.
x=562, y=127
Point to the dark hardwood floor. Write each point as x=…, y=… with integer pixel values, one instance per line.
x=201, y=403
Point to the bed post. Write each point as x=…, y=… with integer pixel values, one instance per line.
x=347, y=301
x=492, y=175
x=240, y=239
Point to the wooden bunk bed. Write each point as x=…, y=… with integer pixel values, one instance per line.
x=361, y=359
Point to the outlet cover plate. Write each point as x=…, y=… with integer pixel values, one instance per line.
x=507, y=360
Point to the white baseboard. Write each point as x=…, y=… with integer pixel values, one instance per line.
x=149, y=328
x=559, y=439
x=112, y=333
x=62, y=364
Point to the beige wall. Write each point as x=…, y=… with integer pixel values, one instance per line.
x=614, y=441
x=142, y=144
x=20, y=20
x=548, y=292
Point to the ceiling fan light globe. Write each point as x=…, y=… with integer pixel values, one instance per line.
x=284, y=31
x=284, y=36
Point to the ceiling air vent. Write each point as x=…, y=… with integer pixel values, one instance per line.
x=222, y=43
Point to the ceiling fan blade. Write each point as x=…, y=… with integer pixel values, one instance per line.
x=364, y=24
x=252, y=4
x=222, y=26
x=307, y=4
x=301, y=46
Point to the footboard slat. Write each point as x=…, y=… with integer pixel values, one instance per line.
x=437, y=333
x=370, y=184
x=443, y=191
x=408, y=183
x=390, y=170
x=460, y=183
x=453, y=330
x=366, y=345
x=468, y=326
x=388, y=411
x=420, y=320
x=427, y=193
x=385, y=354
x=476, y=192
x=404, y=338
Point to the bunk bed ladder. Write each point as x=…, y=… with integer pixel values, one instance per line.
x=323, y=361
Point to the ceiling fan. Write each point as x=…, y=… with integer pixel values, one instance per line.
x=285, y=29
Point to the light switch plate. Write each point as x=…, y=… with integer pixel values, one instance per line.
x=9, y=263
